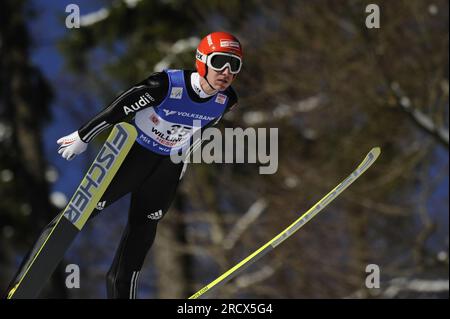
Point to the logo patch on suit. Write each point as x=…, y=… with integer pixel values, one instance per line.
x=156, y=215
x=176, y=93
x=101, y=205
x=154, y=119
x=221, y=98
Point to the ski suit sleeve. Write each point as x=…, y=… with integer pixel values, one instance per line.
x=148, y=93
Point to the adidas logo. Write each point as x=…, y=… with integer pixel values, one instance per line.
x=101, y=205
x=155, y=215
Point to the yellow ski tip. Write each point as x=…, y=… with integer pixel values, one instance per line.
x=376, y=151
x=12, y=291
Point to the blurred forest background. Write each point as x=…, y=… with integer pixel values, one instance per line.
x=333, y=87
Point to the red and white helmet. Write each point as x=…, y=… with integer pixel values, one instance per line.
x=218, y=50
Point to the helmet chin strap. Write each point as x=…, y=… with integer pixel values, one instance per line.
x=210, y=85
x=206, y=79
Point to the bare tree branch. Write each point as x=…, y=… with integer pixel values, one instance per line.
x=397, y=285
x=103, y=13
x=422, y=120
x=244, y=222
x=283, y=110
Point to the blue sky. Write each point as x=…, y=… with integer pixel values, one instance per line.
x=46, y=30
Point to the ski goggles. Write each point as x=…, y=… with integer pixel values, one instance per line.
x=218, y=61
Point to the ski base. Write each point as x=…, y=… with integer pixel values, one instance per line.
x=295, y=226
x=54, y=242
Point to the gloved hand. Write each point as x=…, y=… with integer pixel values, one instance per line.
x=71, y=145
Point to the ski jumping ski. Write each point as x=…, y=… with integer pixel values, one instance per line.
x=295, y=226
x=71, y=220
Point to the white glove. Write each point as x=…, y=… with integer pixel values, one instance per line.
x=71, y=145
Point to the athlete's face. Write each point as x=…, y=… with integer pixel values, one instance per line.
x=220, y=80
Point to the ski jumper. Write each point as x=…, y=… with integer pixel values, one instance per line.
x=166, y=109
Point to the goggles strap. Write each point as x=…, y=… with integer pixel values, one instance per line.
x=202, y=57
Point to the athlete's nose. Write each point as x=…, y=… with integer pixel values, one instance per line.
x=226, y=71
